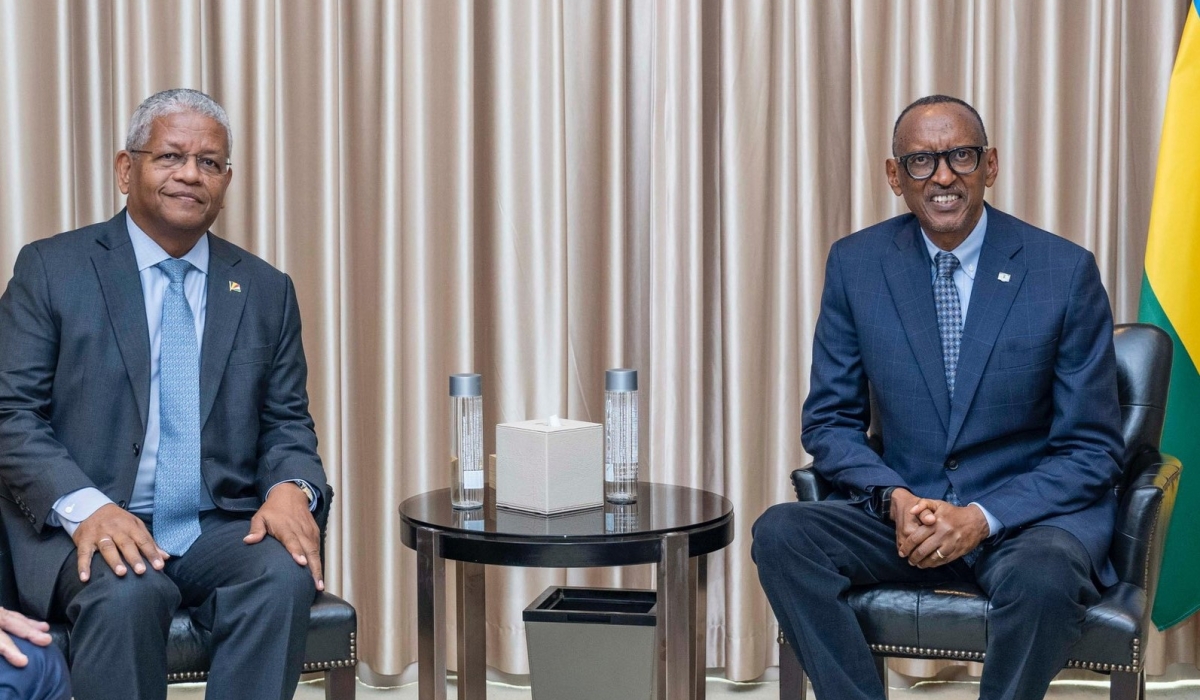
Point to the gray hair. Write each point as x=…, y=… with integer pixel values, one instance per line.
x=174, y=101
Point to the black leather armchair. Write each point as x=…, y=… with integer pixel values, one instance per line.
x=330, y=648
x=950, y=621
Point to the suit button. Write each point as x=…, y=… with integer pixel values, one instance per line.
x=951, y=464
x=137, y=449
x=120, y=504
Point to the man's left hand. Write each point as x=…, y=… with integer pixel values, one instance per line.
x=286, y=517
x=955, y=531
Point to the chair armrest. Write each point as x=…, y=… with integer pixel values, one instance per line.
x=322, y=517
x=809, y=485
x=1143, y=518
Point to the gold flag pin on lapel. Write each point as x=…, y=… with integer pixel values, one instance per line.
x=234, y=286
x=1003, y=277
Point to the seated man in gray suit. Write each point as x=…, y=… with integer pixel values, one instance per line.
x=33, y=668
x=156, y=448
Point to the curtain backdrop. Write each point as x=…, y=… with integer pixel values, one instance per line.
x=538, y=191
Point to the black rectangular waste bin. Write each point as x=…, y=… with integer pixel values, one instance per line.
x=591, y=643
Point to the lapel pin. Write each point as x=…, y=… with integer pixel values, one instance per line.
x=235, y=287
x=1003, y=277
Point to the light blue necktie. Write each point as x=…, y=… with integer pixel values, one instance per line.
x=177, y=476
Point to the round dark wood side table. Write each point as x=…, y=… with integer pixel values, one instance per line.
x=674, y=527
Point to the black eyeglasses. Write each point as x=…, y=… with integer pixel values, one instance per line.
x=921, y=165
x=173, y=160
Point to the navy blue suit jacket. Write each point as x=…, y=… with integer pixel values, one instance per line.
x=75, y=384
x=1033, y=431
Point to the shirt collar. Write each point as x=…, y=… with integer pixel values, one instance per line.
x=968, y=251
x=149, y=253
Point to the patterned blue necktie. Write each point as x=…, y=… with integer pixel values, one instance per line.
x=177, y=476
x=949, y=314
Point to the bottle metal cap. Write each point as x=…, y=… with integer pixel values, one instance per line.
x=620, y=380
x=466, y=385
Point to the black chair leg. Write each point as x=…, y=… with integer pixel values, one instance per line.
x=340, y=684
x=793, y=683
x=881, y=669
x=1127, y=686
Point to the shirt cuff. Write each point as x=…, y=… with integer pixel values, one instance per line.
x=75, y=507
x=994, y=525
x=313, y=503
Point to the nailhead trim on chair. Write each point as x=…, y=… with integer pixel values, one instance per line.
x=921, y=651
x=195, y=676
x=1149, y=553
x=341, y=663
x=885, y=649
x=1104, y=667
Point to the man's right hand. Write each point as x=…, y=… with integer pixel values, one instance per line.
x=121, y=538
x=906, y=521
x=15, y=624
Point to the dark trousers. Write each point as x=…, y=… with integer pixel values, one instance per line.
x=809, y=554
x=45, y=677
x=253, y=599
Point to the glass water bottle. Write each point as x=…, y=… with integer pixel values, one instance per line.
x=620, y=435
x=466, y=441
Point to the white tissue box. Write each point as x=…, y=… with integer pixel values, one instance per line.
x=549, y=469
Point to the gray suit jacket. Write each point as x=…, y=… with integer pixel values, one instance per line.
x=75, y=382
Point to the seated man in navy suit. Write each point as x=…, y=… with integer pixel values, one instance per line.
x=33, y=668
x=986, y=346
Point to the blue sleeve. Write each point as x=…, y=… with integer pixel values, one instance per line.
x=837, y=411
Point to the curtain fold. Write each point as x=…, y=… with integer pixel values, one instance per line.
x=538, y=190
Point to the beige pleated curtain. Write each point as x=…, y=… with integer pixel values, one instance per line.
x=538, y=191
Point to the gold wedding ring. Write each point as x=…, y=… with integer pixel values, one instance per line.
x=103, y=539
x=939, y=554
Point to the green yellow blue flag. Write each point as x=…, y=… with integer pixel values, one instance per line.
x=1171, y=299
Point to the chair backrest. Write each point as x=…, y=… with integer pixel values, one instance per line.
x=1143, y=378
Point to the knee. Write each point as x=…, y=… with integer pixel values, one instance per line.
x=1051, y=584
x=45, y=675
x=151, y=595
x=774, y=531
x=288, y=582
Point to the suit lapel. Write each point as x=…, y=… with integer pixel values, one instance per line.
x=910, y=280
x=997, y=282
x=222, y=316
x=116, y=267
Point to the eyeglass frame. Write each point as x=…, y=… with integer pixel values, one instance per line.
x=186, y=157
x=940, y=156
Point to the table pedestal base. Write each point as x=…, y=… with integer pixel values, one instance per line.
x=680, y=634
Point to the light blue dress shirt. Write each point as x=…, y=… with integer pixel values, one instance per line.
x=967, y=253
x=75, y=507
